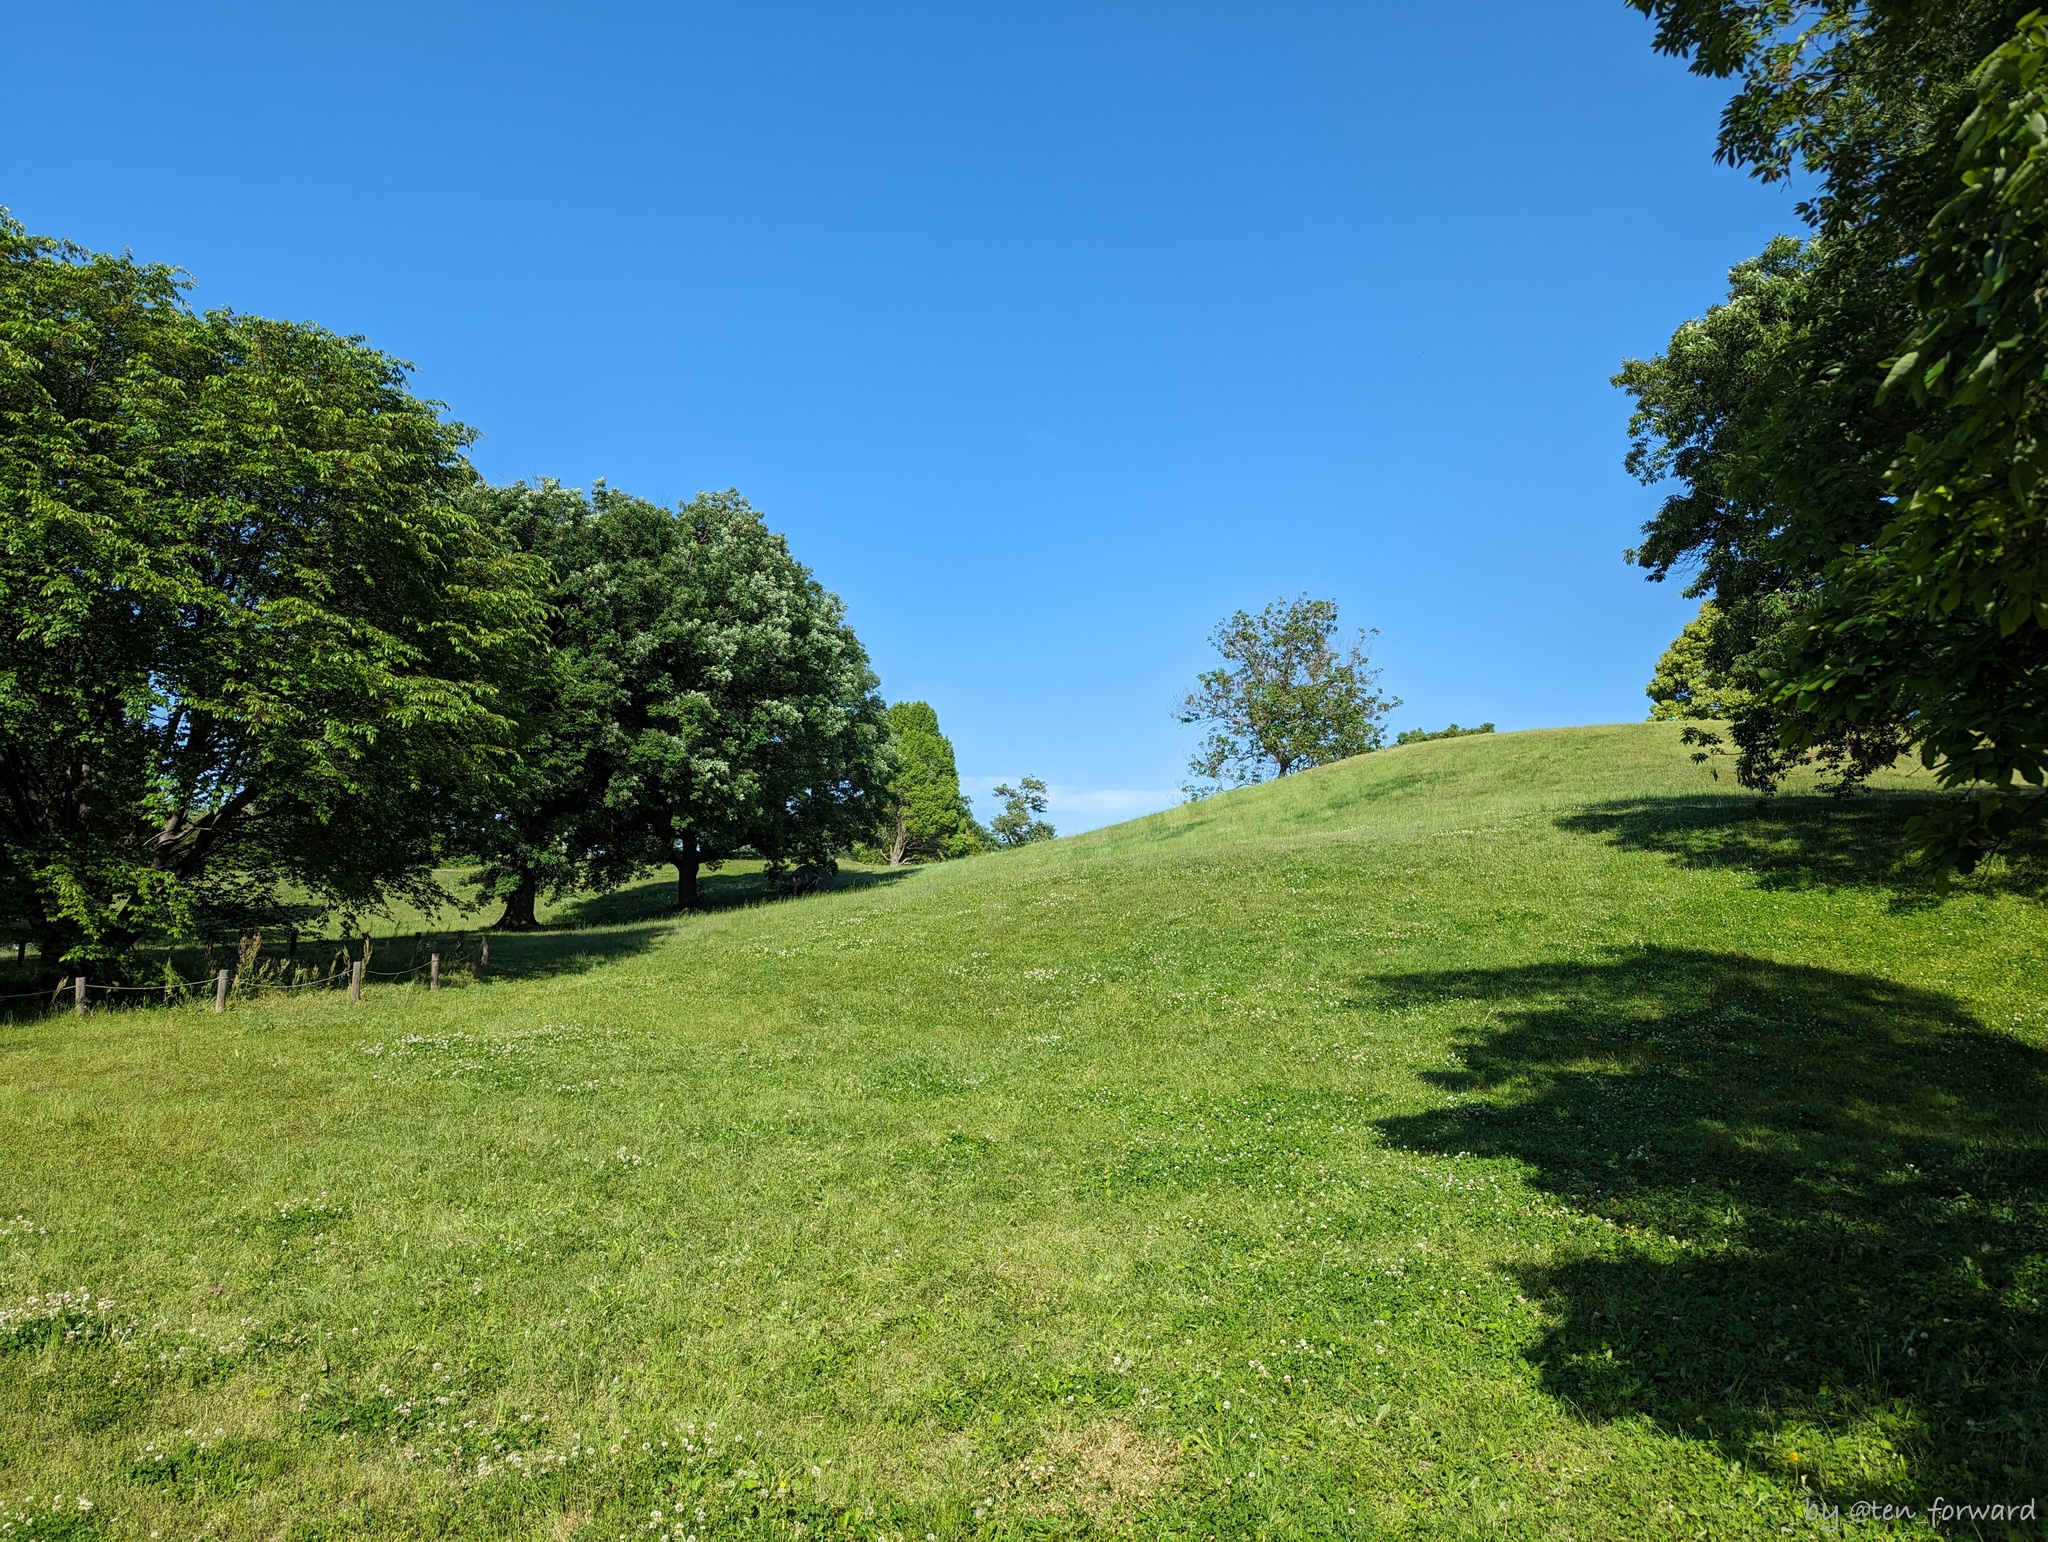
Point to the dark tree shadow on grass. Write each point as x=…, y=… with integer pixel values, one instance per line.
x=1857, y=1175
x=655, y=898
x=602, y=928
x=583, y=935
x=1799, y=841
x=543, y=953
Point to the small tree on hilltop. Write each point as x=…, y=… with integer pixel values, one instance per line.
x=1285, y=699
x=1018, y=824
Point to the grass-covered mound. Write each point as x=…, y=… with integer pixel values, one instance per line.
x=1511, y=1136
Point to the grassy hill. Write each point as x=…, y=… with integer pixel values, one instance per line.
x=1501, y=1137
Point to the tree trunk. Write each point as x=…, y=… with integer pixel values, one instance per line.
x=902, y=841
x=519, y=916
x=688, y=859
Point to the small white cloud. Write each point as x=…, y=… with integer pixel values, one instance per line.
x=1123, y=802
x=1083, y=808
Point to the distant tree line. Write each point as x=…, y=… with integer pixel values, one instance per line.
x=1855, y=436
x=269, y=646
x=1426, y=735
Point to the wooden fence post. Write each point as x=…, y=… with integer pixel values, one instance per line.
x=483, y=958
x=433, y=971
x=355, y=981
x=220, y=991
x=78, y=992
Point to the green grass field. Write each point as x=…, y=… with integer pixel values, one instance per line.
x=1505, y=1137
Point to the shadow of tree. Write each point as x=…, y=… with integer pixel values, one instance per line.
x=532, y=955
x=587, y=932
x=1795, y=841
x=1831, y=1195
x=655, y=898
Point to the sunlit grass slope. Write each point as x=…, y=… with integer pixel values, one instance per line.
x=1500, y=1137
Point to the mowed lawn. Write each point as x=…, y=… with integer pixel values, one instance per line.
x=1502, y=1137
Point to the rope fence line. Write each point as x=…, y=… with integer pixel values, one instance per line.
x=223, y=982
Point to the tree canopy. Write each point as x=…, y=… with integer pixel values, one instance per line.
x=751, y=713
x=247, y=639
x=704, y=697
x=1691, y=680
x=269, y=646
x=929, y=819
x=1426, y=735
x=561, y=819
x=1020, y=823
x=1285, y=698
x=1852, y=432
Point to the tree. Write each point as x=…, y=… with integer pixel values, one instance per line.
x=1425, y=736
x=1285, y=699
x=1853, y=429
x=246, y=639
x=930, y=819
x=1691, y=679
x=555, y=824
x=1018, y=824
x=751, y=718
x=1947, y=610
x=702, y=696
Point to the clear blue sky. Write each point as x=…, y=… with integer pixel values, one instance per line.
x=1049, y=334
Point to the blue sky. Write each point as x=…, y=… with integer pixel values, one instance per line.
x=1048, y=334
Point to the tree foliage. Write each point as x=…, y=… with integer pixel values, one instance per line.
x=929, y=820
x=563, y=818
x=1427, y=735
x=1852, y=431
x=1020, y=824
x=748, y=713
x=1285, y=698
x=1691, y=681
x=1961, y=568
x=246, y=638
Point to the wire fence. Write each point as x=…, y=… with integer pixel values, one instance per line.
x=75, y=992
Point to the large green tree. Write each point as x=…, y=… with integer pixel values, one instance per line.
x=1286, y=696
x=246, y=638
x=752, y=717
x=703, y=696
x=562, y=819
x=930, y=820
x=1849, y=432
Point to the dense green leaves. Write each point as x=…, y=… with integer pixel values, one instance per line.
x=246, y=640
x=1962, y=566
x=557, y=822
x=753, y=715
x=704, y=696
x=930, y=821
x=268, y=647
x=1691, y=679
x=1854, y=431
x=1429, y=735
x=1863, y=95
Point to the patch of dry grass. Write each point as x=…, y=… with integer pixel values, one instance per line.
x=1107, y=1472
